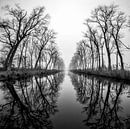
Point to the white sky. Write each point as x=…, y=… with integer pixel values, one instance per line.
x=67, y=18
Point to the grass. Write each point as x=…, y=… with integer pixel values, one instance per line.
x=23, y=73
x=114, y=74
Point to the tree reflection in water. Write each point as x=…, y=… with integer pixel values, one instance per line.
x=29, y=103
x=102, y=101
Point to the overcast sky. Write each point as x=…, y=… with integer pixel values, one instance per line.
x=67, y=18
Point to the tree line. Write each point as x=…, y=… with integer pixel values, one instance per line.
x=102, y=44
x=27, y=41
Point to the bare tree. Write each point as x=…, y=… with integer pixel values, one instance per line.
x=18, y=28
x=46, y=36
x=95, y=42
x=117, y=23
x=101, y=17
x=51, y=51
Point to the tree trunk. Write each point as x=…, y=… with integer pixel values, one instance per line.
x=117, y=61
x=48, y=63
x=99, y=60
x=7, y=59
x=109, y=60
x=102, y=58
x=119, y=53
x=108, y=55
x=92, y=55
x=10, y=57
x=39, y=55
x=21, y=56
x=26, y=55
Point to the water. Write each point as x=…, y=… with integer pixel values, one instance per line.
x=69, y=115
x=64, y=101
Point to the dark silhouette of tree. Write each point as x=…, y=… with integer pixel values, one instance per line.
x=103, y=35
x=16, y=29
x=116, y=24
x=27, y=42
x=44, y=37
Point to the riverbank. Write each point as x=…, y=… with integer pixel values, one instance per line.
x=113, y=74
x=23, y=73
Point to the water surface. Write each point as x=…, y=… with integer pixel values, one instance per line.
x=64, y=101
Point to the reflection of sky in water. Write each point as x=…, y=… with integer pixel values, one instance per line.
x=125, y=100
x=1, y=97
x=125, y=104
x=121, y=107
x=70, y=113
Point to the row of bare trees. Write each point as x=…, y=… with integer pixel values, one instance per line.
x=27, y=41
x=102, y=44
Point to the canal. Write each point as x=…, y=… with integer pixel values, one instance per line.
x=64, y=101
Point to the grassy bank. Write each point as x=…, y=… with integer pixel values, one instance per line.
x=114, y=74
x=23, y=73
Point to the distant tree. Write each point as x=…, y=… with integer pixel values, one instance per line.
x=95, y=40
x=21, y=51
x=44, y=37
x=51, y=52
x=31, y=51
x=128, y=24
